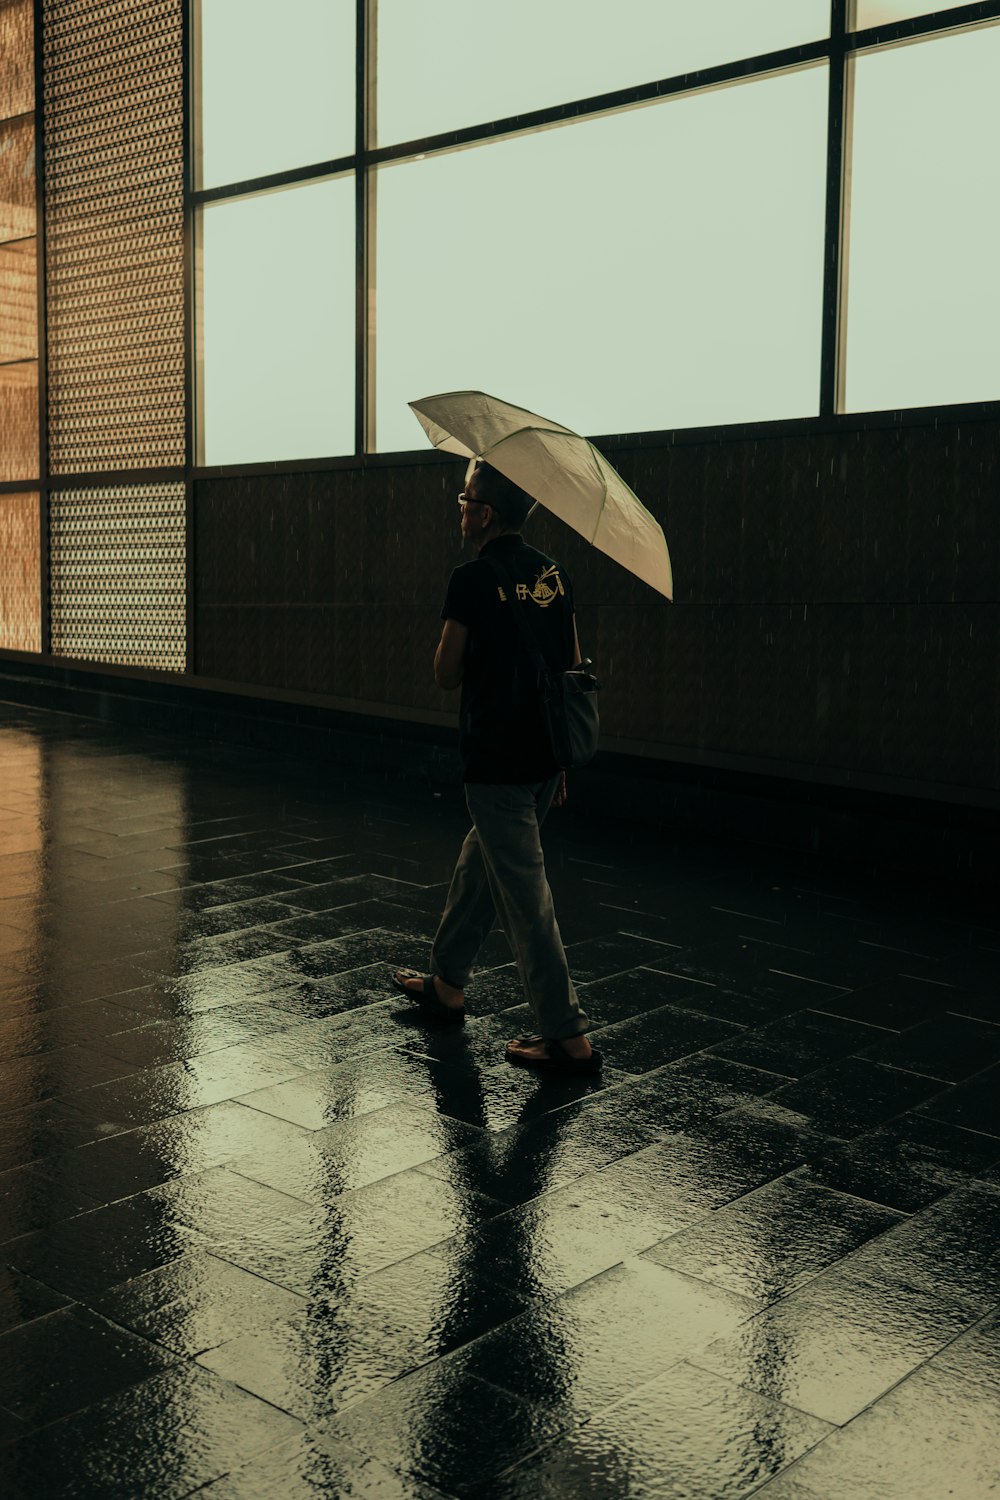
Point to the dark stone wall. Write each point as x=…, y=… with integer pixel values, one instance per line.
x=837, y=606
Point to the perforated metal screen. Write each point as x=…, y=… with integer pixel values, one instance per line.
x=114, y=203
x=117, y=560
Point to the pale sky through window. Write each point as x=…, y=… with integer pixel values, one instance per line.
x=443, y=64
x=279, y=324
x=277, y=86
x=884, y=12
x=657, y=268
x=923, y=303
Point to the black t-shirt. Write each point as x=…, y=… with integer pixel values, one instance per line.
x=502, y=736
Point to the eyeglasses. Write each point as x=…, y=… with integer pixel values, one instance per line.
x=463, y=503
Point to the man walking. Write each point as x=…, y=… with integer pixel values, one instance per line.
x=511, y=779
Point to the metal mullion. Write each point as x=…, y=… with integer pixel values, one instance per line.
x=18, y=486
x=365, y=21
x=596, y=104
x=190, y=103
x=834, y=246
x=277, y=466
x=92, y=479
x=44, y=581
x=338, y=167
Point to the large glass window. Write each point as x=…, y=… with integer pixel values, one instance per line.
x=656, y=268
x=443, y=64
x=277, y=86
x=651, y=268
x=278, y=325
x=923, y=298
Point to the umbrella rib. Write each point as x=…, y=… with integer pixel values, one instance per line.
x=520, y=431
x=604, y=499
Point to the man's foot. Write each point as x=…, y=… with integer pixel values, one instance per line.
x=438, y=1002
x=416, y=985
x=572, y=1054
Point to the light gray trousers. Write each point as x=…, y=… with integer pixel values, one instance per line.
x=501, y=873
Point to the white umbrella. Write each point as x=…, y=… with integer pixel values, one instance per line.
x=557, y=467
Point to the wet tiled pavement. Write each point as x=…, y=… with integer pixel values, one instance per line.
x=262, y=1235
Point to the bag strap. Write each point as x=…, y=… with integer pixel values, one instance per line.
x=527, y=634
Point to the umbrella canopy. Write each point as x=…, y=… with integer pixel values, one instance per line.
x=557, y=467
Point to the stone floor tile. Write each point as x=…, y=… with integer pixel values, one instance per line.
x=687, y=1433
x=133, y=1444
x=951, y=1248
x=196, y=1303
x=594, y=958
x=577, y=1354
x=56, y=1364
x=759, y=970
x=691, y=1090
x=905, y=1164
x=22, y=1299
x=974, y=1104
x=306, y=1468
x=530, y=1158
x=127, y=1162
x=355, y=1152
x=84, y=1255
x=440, y=1428
x=33, y=1197
x=839, y=1343
x=894, y=1002
x=631, y=993
x=929, y=1437
x=356, y=1233
x=566, y=1236
x=323, y=1097
x=799, y=1043
x=847, y=1097
x=647, y=1041
x=58, y=1072
x=337, y=1351
x=774, y=1240
x=29, y=1136
x=949, y=1048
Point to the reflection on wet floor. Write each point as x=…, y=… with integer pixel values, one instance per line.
x=263, y=1234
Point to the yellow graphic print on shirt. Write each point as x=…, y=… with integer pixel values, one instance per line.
x=543, y=592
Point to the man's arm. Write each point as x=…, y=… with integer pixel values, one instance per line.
x=449, y=658
x=577, y=653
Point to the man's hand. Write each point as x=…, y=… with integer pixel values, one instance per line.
x=559, y=800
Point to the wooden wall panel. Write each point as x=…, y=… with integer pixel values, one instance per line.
x=837, y=608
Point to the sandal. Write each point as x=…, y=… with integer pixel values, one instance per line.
x=426, y=999
x=556, y=1059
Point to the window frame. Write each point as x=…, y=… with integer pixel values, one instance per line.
x=836, y=48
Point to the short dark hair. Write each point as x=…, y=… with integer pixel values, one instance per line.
x=511, y=503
